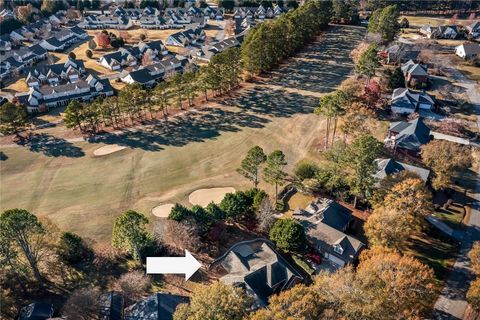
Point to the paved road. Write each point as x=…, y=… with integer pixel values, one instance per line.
x=452, y=303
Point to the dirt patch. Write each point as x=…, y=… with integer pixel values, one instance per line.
x=203, y=197
x=103, y=151
x=163, y=210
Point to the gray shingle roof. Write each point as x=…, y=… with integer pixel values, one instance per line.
x=386, y=167
x=259, y=268
x=325, y=221
x=159, y=306
x=411, y=135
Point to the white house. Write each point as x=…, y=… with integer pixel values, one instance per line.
x=468, y=50
x=39, y=99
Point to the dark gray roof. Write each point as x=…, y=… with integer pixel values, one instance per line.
x=325, y=222
x=403, y=52
x=415, y=69
x=411, y=135
x=36, y=311
x=54, y=42
x=256, y=266
x=159, y=306
x=111, y=306
x=406, y=98
x=386, y=167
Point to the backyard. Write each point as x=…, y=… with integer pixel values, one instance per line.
x=64, y=181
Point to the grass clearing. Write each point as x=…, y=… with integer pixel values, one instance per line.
x=298, y=201
x=435, y=250
x=82, y=193
x=419, y=21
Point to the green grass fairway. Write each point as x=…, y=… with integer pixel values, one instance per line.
x=83, y=193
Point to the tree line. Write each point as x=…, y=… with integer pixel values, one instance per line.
x=135, y=102
x=272, y=41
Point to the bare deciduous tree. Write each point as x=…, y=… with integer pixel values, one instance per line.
x=179, y=235
x=265, y=216
x=133, y=285
x=82, y=304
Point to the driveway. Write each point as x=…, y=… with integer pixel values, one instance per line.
x=452, y=303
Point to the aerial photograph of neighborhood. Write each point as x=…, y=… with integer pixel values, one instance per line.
x=240, y=159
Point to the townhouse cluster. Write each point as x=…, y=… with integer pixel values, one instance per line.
x=56, y=85
x=25, y=46
x=150, y=18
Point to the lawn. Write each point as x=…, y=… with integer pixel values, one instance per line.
x=419, y=21
x=453, y=216
x=435, y=250
x=82, y=193
x=471, y=72
x=298, y=201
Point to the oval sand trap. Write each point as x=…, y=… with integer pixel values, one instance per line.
x=203, y=197
x=163, y=210
x=111, y=148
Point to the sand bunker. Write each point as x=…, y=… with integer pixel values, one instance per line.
x=203, y=197
x=163, y=210
x=111, y=148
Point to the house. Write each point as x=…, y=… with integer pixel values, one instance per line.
x=42, y=98
x=326, y=223
x=106, y=22
x=14, y=61
x=79, y=32
x=386, y=167
x=401, y=53
x=111, y=306
x=158, y=306
x=5, y=43
x=150, y=75
x=6, y=14
x=257, y=267
x=186, y=38
x=207, y=52
x=118, y=60
x=130, y=56
x=440, y=32
x=474, y=29
x=62, y=39
x=415, y=73
x=70, y=71
x=242, y=25
x=155, y=48
x=156, y=22
x=408, y=136
x=406, y=101
x=468, y=50
x=36, y=311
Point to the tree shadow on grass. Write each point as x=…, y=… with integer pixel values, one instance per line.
x=52, y=146
x=191, y=127
x=320, y=68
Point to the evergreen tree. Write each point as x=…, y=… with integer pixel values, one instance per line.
x=12, y=118
x=129, y=233
x=368, y=62
x=273, y=172
x=250, y=165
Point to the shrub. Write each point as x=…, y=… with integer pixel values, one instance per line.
x=72, y=249
x=179, y=213
x=289, y=235
x=89, y=54
x=235, y=205
x=305, y=170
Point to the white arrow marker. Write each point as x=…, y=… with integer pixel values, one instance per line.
x=173, y=265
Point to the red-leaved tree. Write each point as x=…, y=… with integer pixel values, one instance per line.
x=103, y=40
